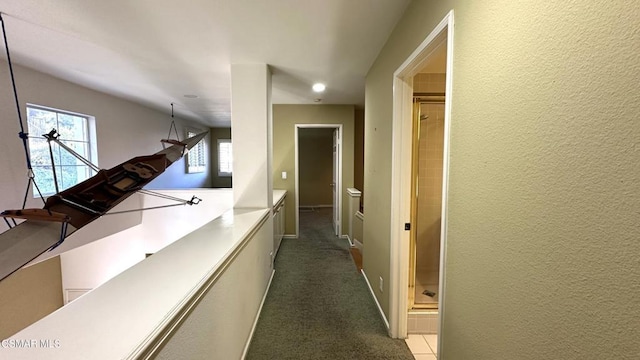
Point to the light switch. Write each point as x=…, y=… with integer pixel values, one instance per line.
x=284, y=175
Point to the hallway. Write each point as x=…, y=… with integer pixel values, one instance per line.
x=318, y=306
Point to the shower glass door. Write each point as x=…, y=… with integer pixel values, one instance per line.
x=426, y=211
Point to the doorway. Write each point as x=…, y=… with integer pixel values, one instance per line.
x=318, y=159
x=405, y=187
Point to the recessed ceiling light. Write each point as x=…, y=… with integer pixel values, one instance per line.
x=319, y=87
x=191, y=96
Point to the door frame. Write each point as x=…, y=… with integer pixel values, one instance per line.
x=338, y=127
x=335, y=193
x=401, y=176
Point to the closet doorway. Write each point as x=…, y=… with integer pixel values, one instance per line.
x=318, y=154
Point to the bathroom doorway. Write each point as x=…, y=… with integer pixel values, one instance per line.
x=422, y=107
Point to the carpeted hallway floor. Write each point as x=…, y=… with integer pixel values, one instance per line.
x=319, y=306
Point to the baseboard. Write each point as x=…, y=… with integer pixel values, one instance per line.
x=255, y=321
x=348, y=239
x=289, y=236
x=384, y=318
x=358, y=245
x=313, y=207
x=72, y=294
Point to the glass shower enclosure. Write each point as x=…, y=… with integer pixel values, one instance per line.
x=427, y=161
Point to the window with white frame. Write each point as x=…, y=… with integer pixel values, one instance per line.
x=225, y=157
x=196, y=158
x=75, y=131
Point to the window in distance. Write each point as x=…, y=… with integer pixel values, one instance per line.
x=196, y=158
x=225, y=157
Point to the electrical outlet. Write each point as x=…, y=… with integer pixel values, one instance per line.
x=381, y=283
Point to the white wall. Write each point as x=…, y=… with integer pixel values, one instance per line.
x=163, y=226
x=89, y=266
x=220, y=325
x=100, y=228
x=209, y=284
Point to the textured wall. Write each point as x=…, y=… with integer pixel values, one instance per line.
x=544, y=192
x=285, y=117
x=419, y=19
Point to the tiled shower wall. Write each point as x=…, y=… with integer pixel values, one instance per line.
x=430, y=190
x=429, y=178
x=432, y=83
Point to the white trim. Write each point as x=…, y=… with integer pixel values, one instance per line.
x=373, y=295
x=353, y=192
x=289, y=236
x=71, y=294
x=358, y=245
x=401, y=160
x=401, y=176
x=255, y=321
x=445, y=177
x=316, y=206
x=297, y=182
x=351, y=244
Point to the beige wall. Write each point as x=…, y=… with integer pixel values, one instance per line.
x=218, y=181
x=315, y=151
x=29, y=295
x=285, y=117
x=542, y=247
x=357, y=229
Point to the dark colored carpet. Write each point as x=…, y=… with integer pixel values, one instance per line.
x=319, y=306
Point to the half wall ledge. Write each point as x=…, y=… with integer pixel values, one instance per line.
x=138, y=313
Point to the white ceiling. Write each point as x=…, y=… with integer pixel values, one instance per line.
x=156, y=51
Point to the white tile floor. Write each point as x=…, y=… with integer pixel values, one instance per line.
x=423, y=347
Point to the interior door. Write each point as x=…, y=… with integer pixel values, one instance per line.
x=335, y=183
